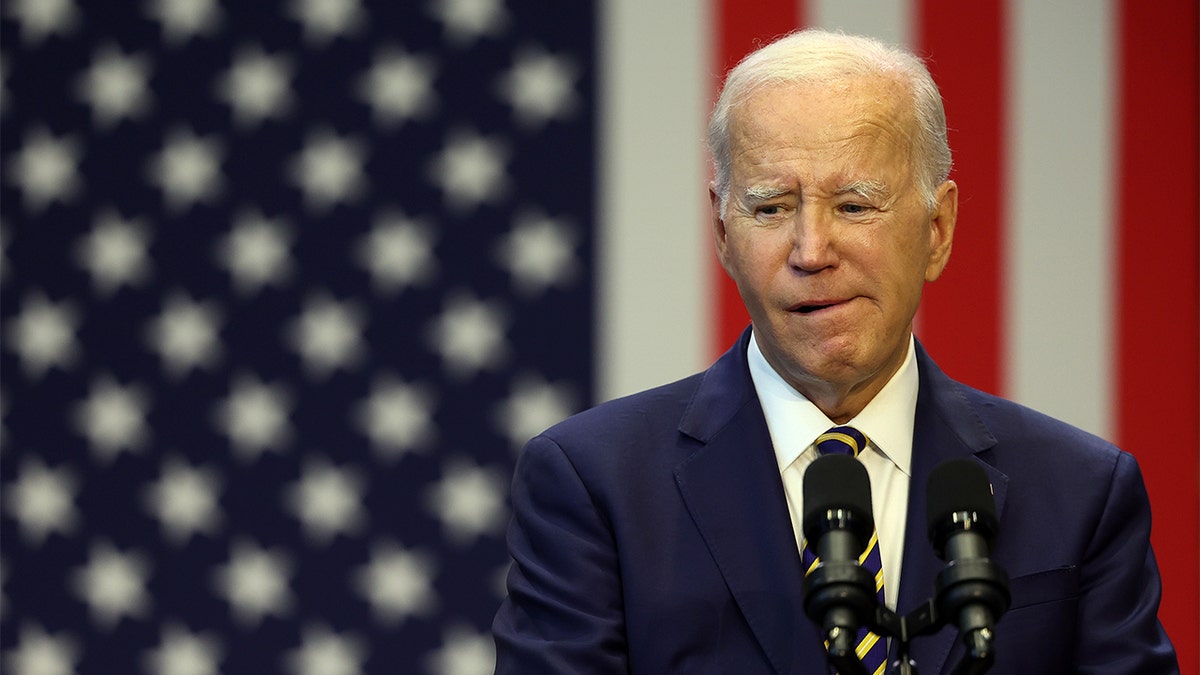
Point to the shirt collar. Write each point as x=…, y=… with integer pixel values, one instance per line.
x=794, y=422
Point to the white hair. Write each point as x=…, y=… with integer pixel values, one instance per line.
x=818, y=56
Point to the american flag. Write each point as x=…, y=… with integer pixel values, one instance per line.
x=286, y=284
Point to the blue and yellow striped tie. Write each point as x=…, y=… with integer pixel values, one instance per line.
x=871, y=649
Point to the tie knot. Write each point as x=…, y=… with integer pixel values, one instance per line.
x=841, y=441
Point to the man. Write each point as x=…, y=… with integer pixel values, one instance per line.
x=660, y=533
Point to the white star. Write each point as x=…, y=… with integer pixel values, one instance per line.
x=40, y=653
x=397, y=417
x=325, y=20
x=532, y=407
x=469, y=335
x=45, y=169
x=184, y=499
x=257, y=86
x=187, y=169
x=113, y=418
x=327, y=500
x=398, y=252
x=463, y=652
x=43, y=334
x=540, y=87
x=328, y=335
x=540, y=253
x=470, y=170
x=184, y=19
x=256, y=251
x=469, y=500
x=185, y=335
x=114, y=252
x=467, y=20
x=255, y=417
x=397, y=583
x=42, y=501
x=323, y=652
x=182, y=652
x=255, y=582
x=113, y=585
x=398, y=87
x=42, y=18
x=329, y=170
x=115, y=86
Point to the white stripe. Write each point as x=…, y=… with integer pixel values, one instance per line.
x=890, y=21
x=1061, y=209
x=654, y=250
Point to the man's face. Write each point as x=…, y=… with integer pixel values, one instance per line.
x=827, y=234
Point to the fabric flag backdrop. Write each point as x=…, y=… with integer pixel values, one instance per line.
x=285, y=286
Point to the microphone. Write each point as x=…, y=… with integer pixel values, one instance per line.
x=839, y=595
x=962, y=524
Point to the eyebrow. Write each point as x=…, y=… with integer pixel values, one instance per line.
x=762, y=193
x=868, y=189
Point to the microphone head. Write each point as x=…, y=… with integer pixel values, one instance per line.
x=837, y=484
x=957, y=487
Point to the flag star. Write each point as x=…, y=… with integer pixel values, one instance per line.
x=184, y=19
x=469, y=500
x=398, y=583
x=45, y=169
x=41, y=18
x=255, y=417
x=398, y=87
x=43, y=334
x=257, y=86
x=328, y=335
x=397, y=417
x=40, y=653
x=42, y=500
x=467, y=20
x=256, y=251
x=182, y=652
x=187, y=169
x=114, y=252
x=469, y=336
x=539, y=252
x=532, y=407
x=113, y=418
x=113, y=585
x=185, y=335
x=398, y=252
x=323, y=652
x=115, y=86
x=184, y=499
x=324, y=20
x=540, y=87
x=463, y=652
x=328, y=501
x=256, y=583
x=328, y=170
x=470, y=170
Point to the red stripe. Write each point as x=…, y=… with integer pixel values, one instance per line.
x=1158, y=291
x=963, y=313
x=741, y=26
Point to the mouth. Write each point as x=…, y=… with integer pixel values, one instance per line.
x=814, y=306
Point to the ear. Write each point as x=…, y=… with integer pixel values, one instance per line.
x=720, y=235
x=941, y=229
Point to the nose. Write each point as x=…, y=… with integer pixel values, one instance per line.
x=813, y=244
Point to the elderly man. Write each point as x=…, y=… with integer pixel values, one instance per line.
x=661, y=533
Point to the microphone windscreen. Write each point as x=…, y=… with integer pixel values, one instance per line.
x=958, y=485
x=836, y=482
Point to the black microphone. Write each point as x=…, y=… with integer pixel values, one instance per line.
x=972, y=590
x=839, y=595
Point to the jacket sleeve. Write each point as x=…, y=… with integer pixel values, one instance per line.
x=564, y=610
x=1121, y=588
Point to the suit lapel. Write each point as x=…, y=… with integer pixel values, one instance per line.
x=946, y=427
x=732, y=489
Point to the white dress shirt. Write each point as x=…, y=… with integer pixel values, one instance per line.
x=887, y=422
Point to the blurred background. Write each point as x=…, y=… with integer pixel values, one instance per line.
x=286, y=285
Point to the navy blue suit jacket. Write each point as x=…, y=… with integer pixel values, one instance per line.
x=651, y=535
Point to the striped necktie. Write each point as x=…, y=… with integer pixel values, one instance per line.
x=871, y=649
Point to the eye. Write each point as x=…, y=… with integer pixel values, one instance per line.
x=853, y=209
x=770, y=210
